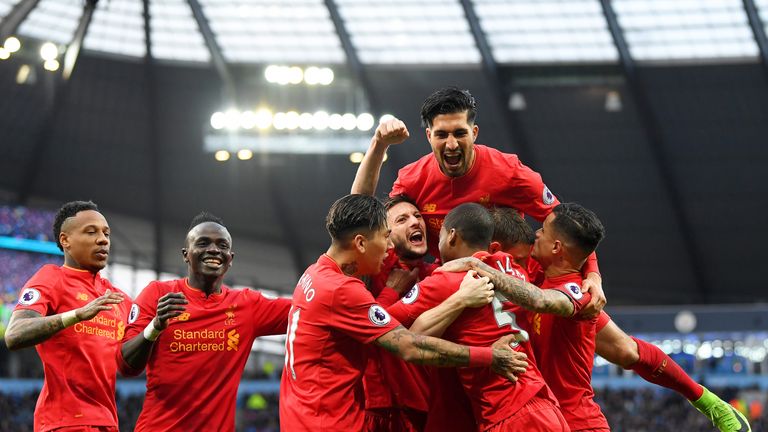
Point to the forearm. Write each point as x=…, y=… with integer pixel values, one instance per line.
x=424, y=350
x=435, y=321
x=590, y=266
x=28, y=328
x=367, y=177
x=135, y=353
x=528, y=295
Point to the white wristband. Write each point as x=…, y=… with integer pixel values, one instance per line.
x=69, y=318
x=150, y=332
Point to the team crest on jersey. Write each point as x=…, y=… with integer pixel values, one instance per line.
x=412, y=295
x=133, y=314
x=29, y=296
x=574, y=290
x=547, y=196
x=378, y=315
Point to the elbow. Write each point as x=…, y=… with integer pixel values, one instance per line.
x=12, y=341
x=540, y=305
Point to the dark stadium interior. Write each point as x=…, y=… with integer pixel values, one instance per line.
x=669, y=148
x=713, y=120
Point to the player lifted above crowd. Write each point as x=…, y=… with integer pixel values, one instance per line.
x=333, y=314
x=194, y=336
x=460, y=171
x=76, y=319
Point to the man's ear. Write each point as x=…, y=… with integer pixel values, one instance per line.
x=558, y=248
x=64, y=240
x=495, y=247
x=453, y=237
x=360, y=242
x=184, y=254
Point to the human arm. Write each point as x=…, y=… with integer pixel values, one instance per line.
x=388, y=133
x=28, y=327
x=593, y=284
x=516, y=290
x=427, y=350
x=473, y=292
x=135, y=351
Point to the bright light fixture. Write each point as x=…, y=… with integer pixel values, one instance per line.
x=12, y=44
x=364, y=122
x=244, y=154
x=221, y=155
x=49, y=51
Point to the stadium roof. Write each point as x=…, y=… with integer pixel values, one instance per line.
x=402, y=31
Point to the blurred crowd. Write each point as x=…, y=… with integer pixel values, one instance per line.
x=628, y=410
x=22, y=222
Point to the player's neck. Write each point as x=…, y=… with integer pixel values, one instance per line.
x=560, y=269
x=345, y=259
x=207, y=285
x=74, y=265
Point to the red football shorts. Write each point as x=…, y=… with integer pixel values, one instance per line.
x=538, y=415
x=394, y=419
x=602, y=321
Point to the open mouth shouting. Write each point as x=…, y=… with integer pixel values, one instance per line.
x=416, y=238
x=453, y=160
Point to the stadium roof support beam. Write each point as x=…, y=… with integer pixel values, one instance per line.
x=360, y=75
x=758, y=29
x=657, y=145
x=153, y=142
x=15, y=17
x=513, y=126
x=217, y=58
x=353, y=61
x=60, y=96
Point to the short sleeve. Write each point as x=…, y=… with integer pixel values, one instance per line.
x=40, y=294
x=572, y=290
x=270, y=315
x=142, y=311
x=398, y=188
x=422, y=297
x=355, y=313
x=526, y=190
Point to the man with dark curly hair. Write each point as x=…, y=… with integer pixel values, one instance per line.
x=75, y=319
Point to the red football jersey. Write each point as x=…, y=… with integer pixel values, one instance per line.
x=79, y=361
x=565, y=351
x=332, y=316
x=196, y=363
x=390, y=381
x=493, y=397
x=495, y=179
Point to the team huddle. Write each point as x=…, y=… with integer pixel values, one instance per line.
x=497, y=332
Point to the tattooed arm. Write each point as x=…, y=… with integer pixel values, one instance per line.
x=516, y=290
x=428, y=350
x=28, y=328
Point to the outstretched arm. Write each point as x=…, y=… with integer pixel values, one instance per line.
x=28, y=328
x=135, y=352
x=388, y=133
x=516, y=290
x=428, y=350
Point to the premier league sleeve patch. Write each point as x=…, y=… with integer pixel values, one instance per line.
x=574, y=290
x=29, y=296
x=133, y=314
x=412, y=295
x=378, y=315
x=547, y=196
